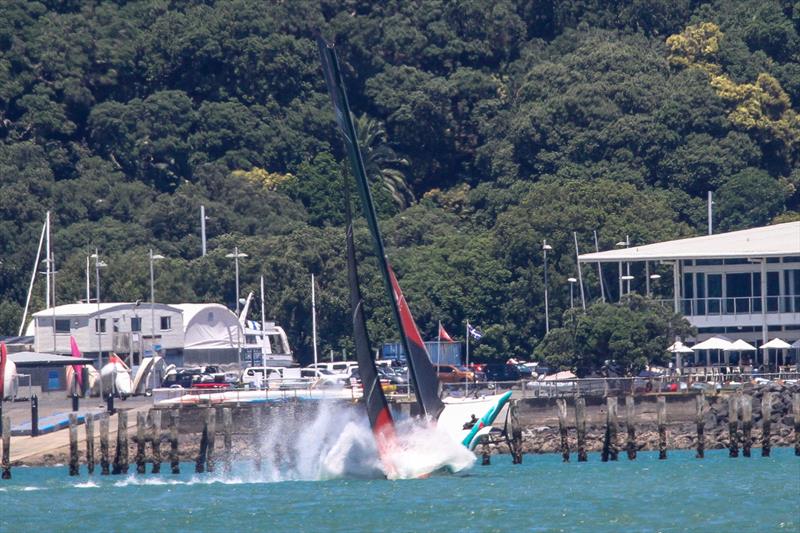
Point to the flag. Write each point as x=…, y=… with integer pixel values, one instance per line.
x=443, y=336
x=475, y=332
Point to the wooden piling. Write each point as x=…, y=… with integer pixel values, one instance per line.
x=200, y=462
x=516, y=433
x=796, y=412
x=486, y=459
x=174, y=461
x=561, y=405
x=766, y=423
x=212, y=434
x=155, y=439
x=747, y=424
x=259, y=425
x=89, y=423
x=74, y=468
x=227, y=424
x=121, y=464
x=630, y=414
x=700, y=420
x=141, y=441
x=580, y=427
x=733, y=423
x=610, y=448
x=6, y=462
x=104, y=463
x=661, y=417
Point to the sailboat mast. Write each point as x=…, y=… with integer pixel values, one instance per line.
x=263, y=327
x=47, y=260
x=314, y=318
x=33, y=279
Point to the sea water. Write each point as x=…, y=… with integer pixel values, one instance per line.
x=543, y=494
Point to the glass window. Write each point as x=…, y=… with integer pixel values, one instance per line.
x=737, y=287
x=166, y=322
x=136, y=323
x=100, y=325
x=773, y=290
x=688, y=286
x=62, y=325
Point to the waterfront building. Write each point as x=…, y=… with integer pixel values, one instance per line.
x=741, y=285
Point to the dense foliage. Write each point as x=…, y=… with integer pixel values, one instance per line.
x=488, y=127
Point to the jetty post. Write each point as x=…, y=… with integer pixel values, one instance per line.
x=580, y=427
x=516, y=433
x=155, y=439
x=796, y=412
x=89, y=423
x=733, y=423
x=661, y=418
x=700, y=420
x=74, y=468
x=141, y=423
x=630, y=414
x=211, y=423
x=227, y=425
x=747, y=424
x=6, y=462
x=561, y=404
x=104, y=444
x=610, y=439
x=766, y=423
x=121, y=463
x=174, y=462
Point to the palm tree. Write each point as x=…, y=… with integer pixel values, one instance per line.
x=381, y=162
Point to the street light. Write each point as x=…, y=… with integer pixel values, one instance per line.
x=626, y=244
x=545, y=248
x=653, y=278
x=153, y=259
x=572, y=282
x=98, y=264
x=235, y=256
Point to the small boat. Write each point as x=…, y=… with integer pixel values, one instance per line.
x=116, y=376
x=8, y=375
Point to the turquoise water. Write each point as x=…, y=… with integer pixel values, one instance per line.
x=543, y=494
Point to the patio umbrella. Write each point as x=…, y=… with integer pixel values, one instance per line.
x=740, y=346
x=777, y=344
x=714, y=343
x=679, y=348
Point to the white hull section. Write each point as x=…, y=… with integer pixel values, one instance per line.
x=9, y=380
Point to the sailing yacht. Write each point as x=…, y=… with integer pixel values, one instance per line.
x=465, y=419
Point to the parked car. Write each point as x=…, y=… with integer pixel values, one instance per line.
x=454, y=374
x=324, y=377
x=502, y=372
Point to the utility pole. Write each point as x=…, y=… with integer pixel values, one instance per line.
x=203, y=228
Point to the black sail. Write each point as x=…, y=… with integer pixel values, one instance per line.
x=423, y=377
x=380, y=418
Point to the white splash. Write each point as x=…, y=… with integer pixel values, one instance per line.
x=87, y=485
x=336, y=442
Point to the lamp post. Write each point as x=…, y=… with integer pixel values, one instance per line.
x=627, y=276
x=653, y=278
x=235, y=256
x=98, y=264
x=572, y=282
x=153, y=259
x=545, y=248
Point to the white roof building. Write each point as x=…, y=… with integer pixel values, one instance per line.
x=743, y=283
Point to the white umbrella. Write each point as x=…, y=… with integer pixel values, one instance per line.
x=679, y=347
x=740, y=346
x=776, y=343
x=714, y=343
x=796, y=344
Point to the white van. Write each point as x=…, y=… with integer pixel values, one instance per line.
x=254, y=376
x=339, y=367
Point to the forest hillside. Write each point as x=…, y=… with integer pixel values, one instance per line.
x=487, y=127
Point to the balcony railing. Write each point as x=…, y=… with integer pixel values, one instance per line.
x=740, y=306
